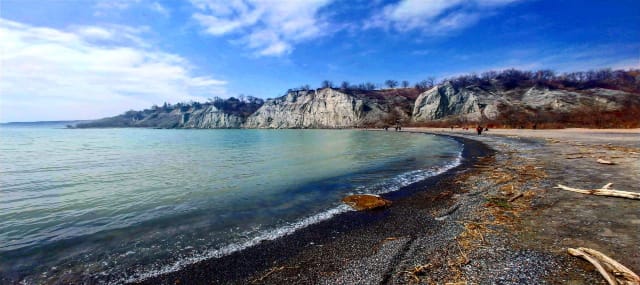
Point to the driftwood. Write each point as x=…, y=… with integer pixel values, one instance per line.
x=273, y=270
x=575, y=157
x=520, y=194
x=447, y=212
x=604, y=191
x=415, y=271
x=612, y=271
x=602, y=161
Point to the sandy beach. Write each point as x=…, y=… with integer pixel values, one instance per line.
x=495, y=219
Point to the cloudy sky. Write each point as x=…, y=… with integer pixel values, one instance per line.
x=85, y=59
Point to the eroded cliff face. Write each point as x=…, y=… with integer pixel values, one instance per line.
x=324, y=108
x=445, y=100
x=202, y=116
x=338, y=108
x=211, y=118
x=474, y=103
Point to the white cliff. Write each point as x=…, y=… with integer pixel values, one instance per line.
x=324, y=108
x=211, y=118
x=474, y=103
x=445, y=100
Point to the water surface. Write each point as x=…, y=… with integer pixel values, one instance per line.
x=122, y=204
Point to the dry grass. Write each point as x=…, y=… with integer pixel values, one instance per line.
x=506, y=201
x=508, y=188
x=415, y=273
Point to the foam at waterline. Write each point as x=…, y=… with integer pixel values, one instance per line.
x=394, y=184
x=408, y=178
x=234, y=247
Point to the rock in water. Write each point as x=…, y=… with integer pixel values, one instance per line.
x=365, y=202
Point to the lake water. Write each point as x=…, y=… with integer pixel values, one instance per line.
x=120, y=204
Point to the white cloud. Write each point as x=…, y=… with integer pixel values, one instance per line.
x=160, y=9
x=103, y=7
x=115, y=4
x=108, y=7
x=89, y=72
x=92, y=32
x=435, y=16
x=267, y=27
x=111, y=34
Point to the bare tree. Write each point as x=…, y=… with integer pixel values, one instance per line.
x=344, y=85
x=544, y=75
x=425, y=84
x=327, y=84
x=370, y=86
x=391, y=83
x=405, y=84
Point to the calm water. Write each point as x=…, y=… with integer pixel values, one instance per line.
x=121, y=204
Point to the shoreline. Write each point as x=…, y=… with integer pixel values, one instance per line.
x=461, y=226
x=242, y=266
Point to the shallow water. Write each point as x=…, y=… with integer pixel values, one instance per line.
x=122, y=204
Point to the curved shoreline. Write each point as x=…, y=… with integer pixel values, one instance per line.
x=334, y=236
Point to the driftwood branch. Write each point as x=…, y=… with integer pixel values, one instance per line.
x=604, y=191
x=602, y=161
x=520, y=194
x=612, y=271
x=273, y=270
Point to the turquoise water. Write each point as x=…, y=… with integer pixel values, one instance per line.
x=122, y=204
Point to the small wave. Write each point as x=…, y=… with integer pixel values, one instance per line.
x=234, y=247
x=408, y=178
x=392, y=185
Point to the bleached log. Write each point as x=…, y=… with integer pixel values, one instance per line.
x=602, y=161
x=619, y=271
x=607, y=276
x=604, y=191
x=612, y=271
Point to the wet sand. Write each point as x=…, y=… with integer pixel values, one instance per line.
x=461, y=226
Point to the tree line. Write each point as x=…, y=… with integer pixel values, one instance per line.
x=628, y=80
x=242, y=105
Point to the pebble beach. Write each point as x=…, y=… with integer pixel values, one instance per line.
x=495, y=219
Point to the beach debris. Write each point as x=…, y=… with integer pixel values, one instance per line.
x=361, y=202
x=612, y=271
x=443, y=216
x=382, y=242
x=442, y=195
x=273, y=270
x=604, y=191
x=575, y=157
x=495, y=201
x=520, y=194
x=416, y=271
x=602, y=161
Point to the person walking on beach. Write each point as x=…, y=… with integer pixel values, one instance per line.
x=479, y=130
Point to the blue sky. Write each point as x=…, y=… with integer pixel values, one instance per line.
x=85, y=59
